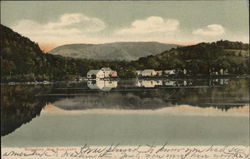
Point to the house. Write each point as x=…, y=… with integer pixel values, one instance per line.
x=95, y=74
x=159, y=73
x=148, y=73
x=113, y=74
x=104, y=85
x=169, y=72
x=104, y=72
x=108, y=72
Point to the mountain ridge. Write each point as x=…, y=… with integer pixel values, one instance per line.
x=128, y=51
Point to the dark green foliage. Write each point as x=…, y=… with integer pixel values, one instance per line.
x=23, y=60
x=203, y=58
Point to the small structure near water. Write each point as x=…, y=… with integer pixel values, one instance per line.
x=169, y=72
x=104, y=72
x=153, y=73
x=146, y=73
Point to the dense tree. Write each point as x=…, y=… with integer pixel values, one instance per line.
x=22, y=59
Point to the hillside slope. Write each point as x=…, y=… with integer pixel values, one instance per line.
x=203, y=58
x=127, y=51
x=22, y=60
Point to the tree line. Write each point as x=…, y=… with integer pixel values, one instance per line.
x=23, y=60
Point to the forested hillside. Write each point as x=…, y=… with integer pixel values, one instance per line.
x=203, y=58
x=23, y=60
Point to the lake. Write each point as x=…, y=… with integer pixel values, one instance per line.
x=128, y=112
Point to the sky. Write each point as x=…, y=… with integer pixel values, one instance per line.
x=55, y=23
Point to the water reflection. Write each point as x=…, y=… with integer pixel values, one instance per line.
x=104, y=85
x=108, y=85
x=21, y=103
x=148, y=83
x=19, y=106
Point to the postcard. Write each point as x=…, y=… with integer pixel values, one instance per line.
x=125, y=79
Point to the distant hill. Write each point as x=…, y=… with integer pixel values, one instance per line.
x=127, y=51
x=22, y=60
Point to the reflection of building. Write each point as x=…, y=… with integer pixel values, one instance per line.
x=217, y=82
x=104, y=72
x=105, y=85
x=148, y=83
x=170, y=83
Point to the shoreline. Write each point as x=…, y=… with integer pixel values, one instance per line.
x=129, y=78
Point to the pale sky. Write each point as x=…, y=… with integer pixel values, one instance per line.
x=181, y=22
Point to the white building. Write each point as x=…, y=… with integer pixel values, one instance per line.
x=169, y=72
x=95, y=74
x=107, y=71
x=148, y=73
x=104, y=72
x=159, y=73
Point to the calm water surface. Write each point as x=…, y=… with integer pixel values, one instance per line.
x=129, y=112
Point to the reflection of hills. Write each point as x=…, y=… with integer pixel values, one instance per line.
x=19, y=106
x=110, y=100
x=14, y=117
x=174, y=110
x=130, y=101
x=232, y=95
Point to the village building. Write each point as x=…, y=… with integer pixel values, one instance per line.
x=104, y=72
x=169, y=72
x=148, y=73
x=159, y=73
x=95, y=74
x=113, y=74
